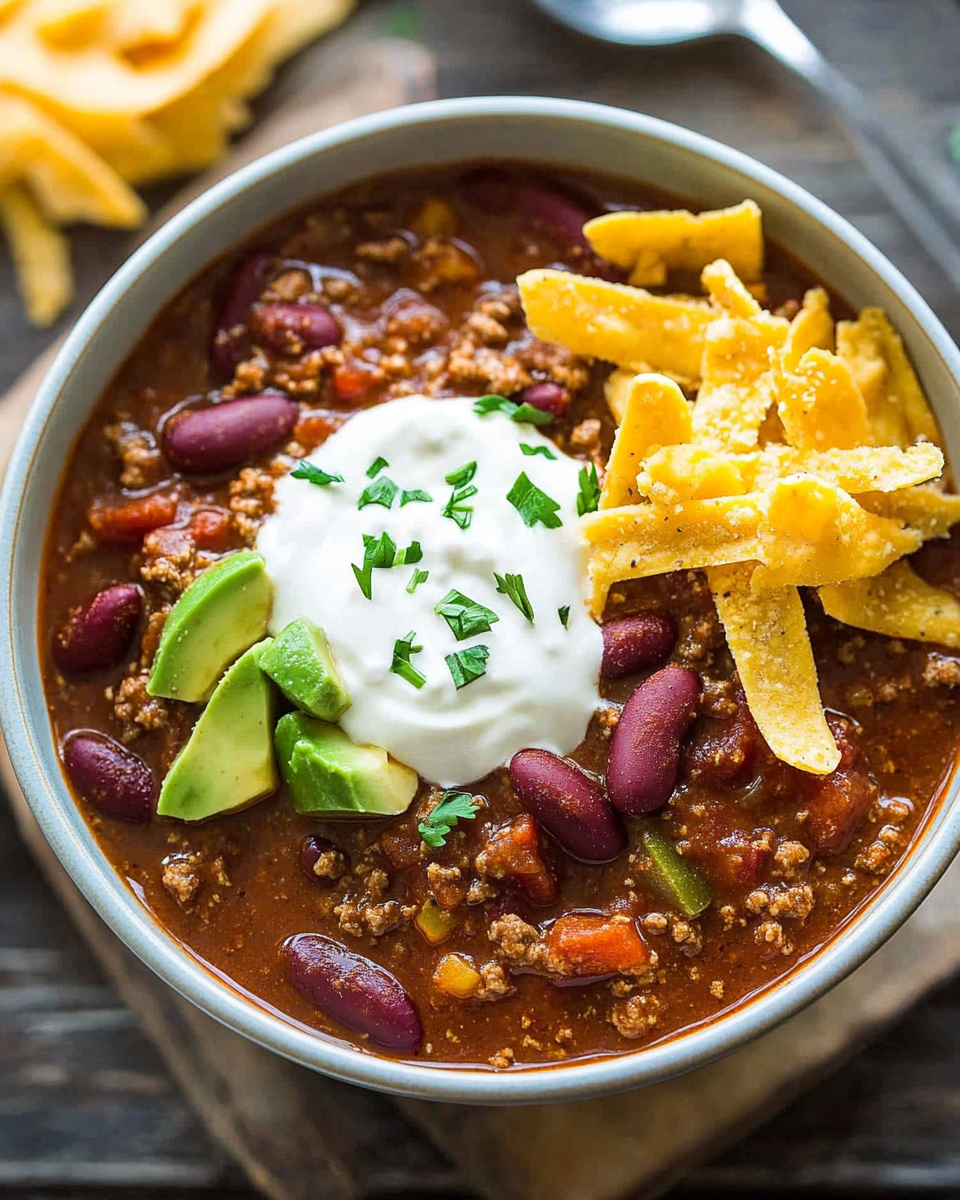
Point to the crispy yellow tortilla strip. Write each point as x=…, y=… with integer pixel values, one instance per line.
x=735, y=394
x=875, y=468
x=897, y=408
x=676, y=474
x=820, y=405
x=636, y=541
x=726, y=289
x=767, y=636
x=650, y=243
x=70, y=181
x=656, y=413
x=41, y=255
x=928, y=510
x=811, y=328
x=621, y=324
x=70, y=24
x=814, y=534
x=616, y=389
x=897, y=603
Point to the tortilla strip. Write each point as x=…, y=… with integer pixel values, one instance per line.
x=655, y=413
x=811, y=328
x=616, y=389
x=726, y=289
x=767, y=637
x=675, y=474
x=650, y=243
x=928, y=510
x=41, y=255
x=814, y=534
x=897, y=603
x=821, y=406
x=621, y=324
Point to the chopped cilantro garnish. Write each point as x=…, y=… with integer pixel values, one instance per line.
x=464, y=616
x=382, y=552
x=402, y=666
x=589, y=497
x=415, y=496
x=463, y=490
x=564, y=615
x=453, y=807
x=312, y=474
x=513, y=586
x=416, y=579
x=530, y=451
x=467, y=665
x=509, y=408
x=382, y=491
x=376, y=467
x=532, y=504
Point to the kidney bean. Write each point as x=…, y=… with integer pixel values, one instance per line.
x=313, y=849
x=645, y=748
x=632, y=643
x=98, y=634
x=293, y=328
x=353, y=990
x=109, y=777
x=568, y=804
x=205, y=440
x=246, y=284
x=548, y=397
x=564, y=213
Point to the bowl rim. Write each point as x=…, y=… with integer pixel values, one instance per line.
x=936, y=845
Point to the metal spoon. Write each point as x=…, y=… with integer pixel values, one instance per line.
x=932, y=215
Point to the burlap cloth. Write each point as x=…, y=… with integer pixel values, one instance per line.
x=291, y=1129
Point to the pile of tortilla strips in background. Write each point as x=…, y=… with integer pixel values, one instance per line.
x=97, y=96
x=809, y=457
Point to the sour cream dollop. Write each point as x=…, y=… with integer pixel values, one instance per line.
x=540, y=685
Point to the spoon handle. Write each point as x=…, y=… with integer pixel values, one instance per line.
x=930, y=215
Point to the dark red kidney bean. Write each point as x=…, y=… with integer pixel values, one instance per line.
x=98, y=634
x=247, y=282
x=355, y=991
x=204, y=440
x=632, y=643
x=645, y=748
x=293, y=328
x=312, y=849
x=561, y=212
x=109, y=777
x=568, y=804
x=548, y=397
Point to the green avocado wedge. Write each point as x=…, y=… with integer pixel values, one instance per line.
x=228, y=762
x=326, y=772
x=301, y=665
x=221, y=614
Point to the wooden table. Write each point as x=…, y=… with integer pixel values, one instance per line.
x=85, y=1104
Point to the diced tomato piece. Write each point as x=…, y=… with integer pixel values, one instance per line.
x=131, y=520
x=210, y=528
x=724, y=750
x=837, y=804
x=169, y=541
x=314, y=428
x=351, y=380
x=401, y=847
x=513, y=853
x=591, y=944
x=742, y=859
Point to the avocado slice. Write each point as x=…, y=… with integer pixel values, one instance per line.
x=326, y=772
x=300, y=663
x=221, y=614
x=228, y=761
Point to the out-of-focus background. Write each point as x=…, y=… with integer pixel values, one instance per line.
x=87, y=1109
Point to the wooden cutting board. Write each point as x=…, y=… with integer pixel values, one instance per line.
x=295, y=1133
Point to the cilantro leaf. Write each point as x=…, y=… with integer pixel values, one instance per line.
x=462, y=475
x=530, y=451
x=402, y=666
x=564, y=615
x=382, y=491
x=312, y=474
x=453, y=807
x=382, y=552
x=467, y=665
x=509, y=408
x=416, y=579
x=532, y=504
x=415, y=496
x=376, y=467
x=589, y=498
x=408, y=556
x=463, y=490
x=513, y=586
x=464, y=616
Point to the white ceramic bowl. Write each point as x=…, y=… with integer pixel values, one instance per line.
x=561, y=132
